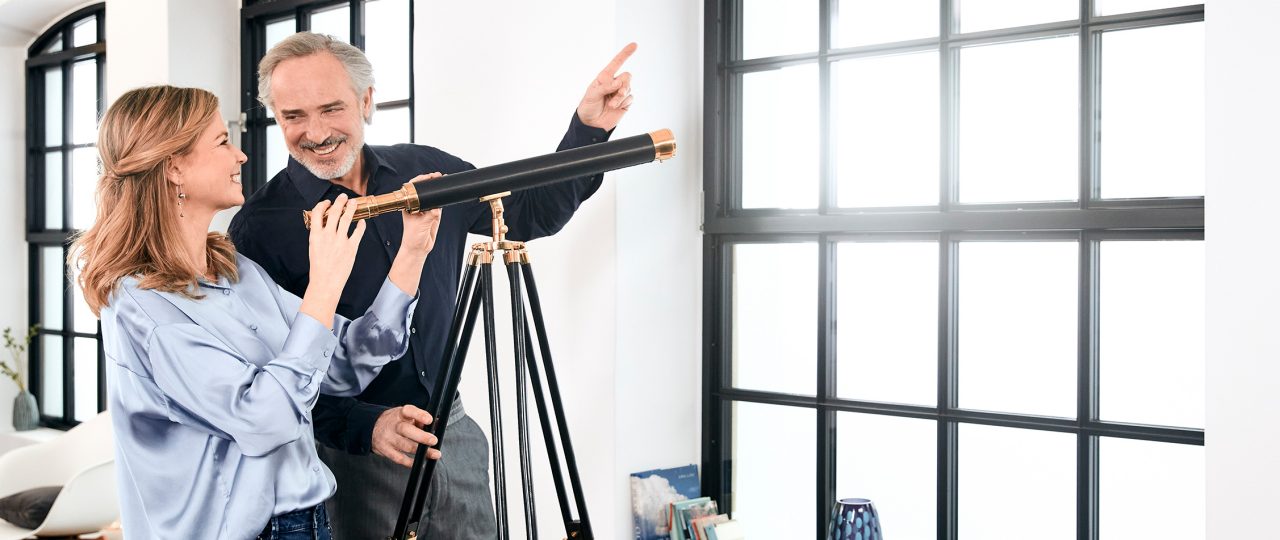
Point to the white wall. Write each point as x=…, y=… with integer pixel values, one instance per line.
x=1242, y=435
x=13, y=211
x=498, y=82
x=658, y=382
x=180, y=43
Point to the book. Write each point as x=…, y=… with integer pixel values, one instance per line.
x=729, y=530
x=700, y=525
x=684, y=512
x=652, y=492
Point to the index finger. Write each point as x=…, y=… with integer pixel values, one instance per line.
x=413, y=413
x=606, y=75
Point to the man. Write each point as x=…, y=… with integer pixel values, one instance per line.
x=321, y=92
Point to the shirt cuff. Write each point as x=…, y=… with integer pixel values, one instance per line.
x=310, y=342
x=583, y=134
x=392, y=303
x=360, y=421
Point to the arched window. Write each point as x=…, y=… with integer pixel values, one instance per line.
x=64, y=101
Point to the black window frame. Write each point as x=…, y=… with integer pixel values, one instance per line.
x=1088, y=221
x=37, y=235
x=255, y=15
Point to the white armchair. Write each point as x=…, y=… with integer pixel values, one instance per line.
x=82, y=461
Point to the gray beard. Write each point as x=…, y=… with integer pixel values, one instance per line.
x=337, y=172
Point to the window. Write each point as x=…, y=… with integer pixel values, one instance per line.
x=64, y=101
x=954, y=264
x=383, y=29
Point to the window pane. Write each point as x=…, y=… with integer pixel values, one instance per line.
x=86, y=378
x=775, y=317
x=778, y=27
x=333, y=21
x=84, y=178
x=887, y=130
x=1152, y=122
x=53, y=107
x=1112, y=7
x=53, y=190
x=978, y=15
x=84, y=102
x=1017, y=483
x=1150, y=490
x=1018, y=135
x=277, y=152
x=51, y=375
x=388, y=47
x=1018, y=327
x=85, y=33
x=864, y=22
x=887, y=308
x=892, y=461
x=55, y=44
x=278, y=30
x=390, y=126
x=85, y=321
x=52, y=270
x=780, y=144
x=773, y=470
x=1151, y=317
x=275, y=33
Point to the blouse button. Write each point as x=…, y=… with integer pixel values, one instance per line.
x=253, y=327
x=226, y=292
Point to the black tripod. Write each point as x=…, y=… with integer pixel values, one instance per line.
x=472, y=294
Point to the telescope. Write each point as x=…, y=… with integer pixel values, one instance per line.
x=528, y=173
x=475, y=303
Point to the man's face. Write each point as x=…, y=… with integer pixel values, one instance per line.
x=320, y=115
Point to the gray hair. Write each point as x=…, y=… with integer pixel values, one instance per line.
x=301, y=44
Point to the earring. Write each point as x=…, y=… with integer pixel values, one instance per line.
x=181, y=197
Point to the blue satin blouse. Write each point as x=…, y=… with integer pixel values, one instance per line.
x=211, y=399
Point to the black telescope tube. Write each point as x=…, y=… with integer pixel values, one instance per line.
x=517, y=175
x=536, y=171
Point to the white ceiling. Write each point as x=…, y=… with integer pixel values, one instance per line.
x=22, y=20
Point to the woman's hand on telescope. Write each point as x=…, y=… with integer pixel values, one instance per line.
x=608, y=96
x=332, y=250
x=419, y=238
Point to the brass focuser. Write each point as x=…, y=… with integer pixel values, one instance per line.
x=405, y=198
x=664, y=144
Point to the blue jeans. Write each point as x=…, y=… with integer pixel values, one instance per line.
x=307, y=524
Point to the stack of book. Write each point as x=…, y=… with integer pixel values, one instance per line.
x=666, y=506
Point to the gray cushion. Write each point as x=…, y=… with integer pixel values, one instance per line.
x=27, y=509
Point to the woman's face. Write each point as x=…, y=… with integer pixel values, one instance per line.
x=210, y=173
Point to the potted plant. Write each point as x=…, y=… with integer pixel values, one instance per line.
x=26, y=415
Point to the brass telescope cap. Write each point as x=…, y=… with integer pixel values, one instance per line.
x=664, y=144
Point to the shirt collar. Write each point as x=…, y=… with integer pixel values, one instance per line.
x=313, y=188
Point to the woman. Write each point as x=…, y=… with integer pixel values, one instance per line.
x=213, y=369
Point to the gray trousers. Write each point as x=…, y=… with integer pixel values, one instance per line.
x=371, y=489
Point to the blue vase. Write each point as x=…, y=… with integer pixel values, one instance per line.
x=854, y=519
x=26, y=415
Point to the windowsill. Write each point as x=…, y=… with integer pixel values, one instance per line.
x=11, y=440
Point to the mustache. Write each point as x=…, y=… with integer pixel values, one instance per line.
x=330, y=141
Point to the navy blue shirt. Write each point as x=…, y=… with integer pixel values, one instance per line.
x=269, y=230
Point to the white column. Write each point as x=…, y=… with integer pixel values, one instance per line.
x=1242, y=434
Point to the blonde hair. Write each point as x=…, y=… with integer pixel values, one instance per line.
x=136, y=231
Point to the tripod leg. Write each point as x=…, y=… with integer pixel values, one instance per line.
x=535, y=307
x=544, y=419
x=441, y=402
x=518, y=323
x=495, y=404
